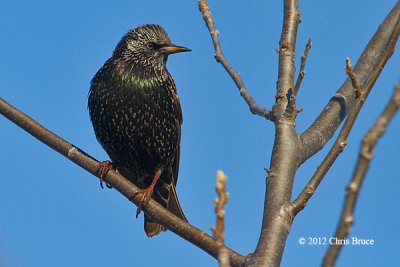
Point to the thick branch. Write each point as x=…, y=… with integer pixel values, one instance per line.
x=354, y=186
x=286, y=68
x=220, y=58
x=337, y=148
x=284, y=162
x=372, y=61
x=155, y=211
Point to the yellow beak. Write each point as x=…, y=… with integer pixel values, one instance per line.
x=172, y=49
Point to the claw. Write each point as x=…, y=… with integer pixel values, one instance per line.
x=103, y=168
x=144, y=199
x=146, y=193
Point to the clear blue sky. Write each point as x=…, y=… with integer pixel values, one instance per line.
x=55, y=214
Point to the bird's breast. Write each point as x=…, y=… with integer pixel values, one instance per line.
x=135, y=121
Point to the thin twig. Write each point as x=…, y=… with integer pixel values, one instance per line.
x=353, y=188
x=302, y=67
x=220, y=58
x=337, y=148
x=153, y=210
x=218, y=230
x=353, y=78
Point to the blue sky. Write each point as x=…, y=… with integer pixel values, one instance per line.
x=55, y=214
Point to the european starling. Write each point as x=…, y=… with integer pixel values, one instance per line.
x=136, y=116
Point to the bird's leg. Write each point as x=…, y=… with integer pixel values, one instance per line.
x=104, y=167
x=146, y=192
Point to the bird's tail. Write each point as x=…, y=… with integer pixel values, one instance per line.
x=166, y=196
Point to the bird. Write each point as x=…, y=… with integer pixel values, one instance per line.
x=136, y=115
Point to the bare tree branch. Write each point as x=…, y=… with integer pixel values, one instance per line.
x=218, y=230
x=286, y=68
x=277, y=219
x=337, y=148
x=302, y=68
x=369, y=66
x=291, y=150
x=155, y=211
x=220, y=58
x=292, y=99
x=353, y=188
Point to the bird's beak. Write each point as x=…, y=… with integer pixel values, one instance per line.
x=172, y=49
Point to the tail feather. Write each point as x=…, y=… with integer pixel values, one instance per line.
x=174, y=206
x=151, y=228
x=170, y=202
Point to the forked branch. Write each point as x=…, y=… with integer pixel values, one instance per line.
x=353, y=188
x=219, y=56
x=337, y=148
x=373, y=59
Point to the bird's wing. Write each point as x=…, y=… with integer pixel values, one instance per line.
x=165, y=193
x=179, y=121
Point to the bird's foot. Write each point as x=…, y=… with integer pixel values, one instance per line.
x=103, y=168
x=144, y=199
x=146, y=193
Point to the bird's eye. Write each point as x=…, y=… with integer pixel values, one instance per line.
x=151, y=45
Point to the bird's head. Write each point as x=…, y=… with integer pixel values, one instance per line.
x=146, y=47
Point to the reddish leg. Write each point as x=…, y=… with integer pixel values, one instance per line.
x=146, y=193
x=104, y=167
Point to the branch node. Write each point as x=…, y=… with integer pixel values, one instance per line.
x=349, y=220
x=299, y=17
x=352, y=187
x=214, y=32
x=72, y=151
x=280, y=96
x=343, y=145
x=283, y=48
x=309, y=189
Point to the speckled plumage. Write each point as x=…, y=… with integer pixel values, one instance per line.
x=136, y=114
